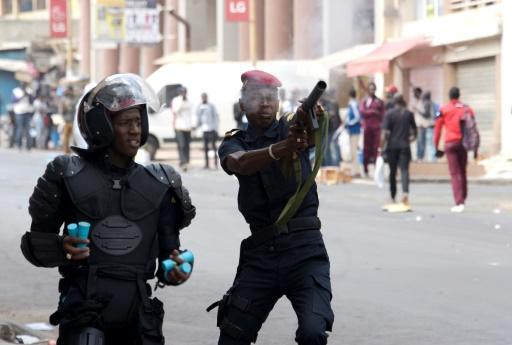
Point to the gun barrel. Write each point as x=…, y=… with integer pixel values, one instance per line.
x=315, y=95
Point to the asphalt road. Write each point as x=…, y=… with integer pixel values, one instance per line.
x=425, y=277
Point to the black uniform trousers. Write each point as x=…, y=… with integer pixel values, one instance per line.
x=295, y=265
x=398, y=158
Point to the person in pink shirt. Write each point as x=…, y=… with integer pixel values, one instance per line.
x=372, y=112
x=450, y=116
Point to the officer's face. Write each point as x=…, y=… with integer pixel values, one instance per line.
x=127, y=133
x=260, y=105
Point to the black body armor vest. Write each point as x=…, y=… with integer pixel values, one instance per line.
x=124, y=214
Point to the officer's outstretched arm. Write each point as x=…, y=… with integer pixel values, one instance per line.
x=42, y=246
x=250, y=162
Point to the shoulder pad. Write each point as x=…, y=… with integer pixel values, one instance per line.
x=232, y=133
x=65, y=165
x=167, y=175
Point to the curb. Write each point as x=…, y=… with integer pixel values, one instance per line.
x=478, y=181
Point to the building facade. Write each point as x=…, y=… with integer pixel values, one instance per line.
x=437, y=44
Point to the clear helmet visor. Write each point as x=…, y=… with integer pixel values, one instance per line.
x=122, y=91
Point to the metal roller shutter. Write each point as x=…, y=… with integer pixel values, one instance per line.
x=429, y=78
x=477, y=82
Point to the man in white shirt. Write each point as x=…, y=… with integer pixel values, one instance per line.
x=183, y=123
x=208, y=121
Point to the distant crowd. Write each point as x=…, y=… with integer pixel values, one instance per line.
x=40, y=121
x=374, y=128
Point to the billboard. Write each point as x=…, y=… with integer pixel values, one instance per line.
x=142, y=22
x=58, y=19
x=237, y=10
x=109, y=24
x=127, y=21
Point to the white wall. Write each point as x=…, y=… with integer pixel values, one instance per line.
x=346, y=23
x=221, y=81
x=506, y=81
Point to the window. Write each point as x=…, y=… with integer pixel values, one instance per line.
x=7, y=7
x=40, y=4
x=25, y=5
x=429, y=8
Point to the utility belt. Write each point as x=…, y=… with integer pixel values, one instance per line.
x=261, y=235
x=116, y=297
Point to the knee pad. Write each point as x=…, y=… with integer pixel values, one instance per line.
x=232, y=310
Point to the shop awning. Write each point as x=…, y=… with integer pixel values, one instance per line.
x=13, y=66
x=378, y=60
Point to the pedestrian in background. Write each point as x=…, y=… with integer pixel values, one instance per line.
x=450, y=117
x=40, y=111
x=289, y=105
x=183, y=124
x=423, y=123
x=22, y=106
x=399, y=130
x=239, y=116
x=353, y=125
x=208, y=121
x=332, y=155
x=391, y=91
x=11, y=125
x=430, y=110
x=67, y=110
x=372, y=113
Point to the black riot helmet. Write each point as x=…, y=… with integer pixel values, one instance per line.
x=115, y=93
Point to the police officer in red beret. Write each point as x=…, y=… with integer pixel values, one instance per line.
x=275, y=261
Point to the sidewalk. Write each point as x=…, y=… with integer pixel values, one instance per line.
x=494, y=170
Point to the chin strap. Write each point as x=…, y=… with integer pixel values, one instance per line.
x=296, y=199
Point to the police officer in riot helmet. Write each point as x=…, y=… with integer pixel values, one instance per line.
x=135, y=215
x=277, y=260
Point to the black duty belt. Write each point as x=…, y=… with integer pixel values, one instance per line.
x=263, y=234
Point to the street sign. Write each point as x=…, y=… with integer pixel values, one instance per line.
x=58, y=19
x=237, y=10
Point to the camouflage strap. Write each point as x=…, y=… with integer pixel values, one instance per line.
x=296, y=199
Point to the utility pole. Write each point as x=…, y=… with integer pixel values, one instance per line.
x=185, y=23
x=69, y=55
x=253, y=34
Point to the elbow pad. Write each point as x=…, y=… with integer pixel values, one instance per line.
x=43, y=249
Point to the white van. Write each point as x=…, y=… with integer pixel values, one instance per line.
x=161, y=130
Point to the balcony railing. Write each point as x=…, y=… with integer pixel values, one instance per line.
x=464, y=5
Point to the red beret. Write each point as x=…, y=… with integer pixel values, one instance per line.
x=259, y=78
x=391, y=89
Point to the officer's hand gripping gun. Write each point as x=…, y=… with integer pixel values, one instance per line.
x=186, y=267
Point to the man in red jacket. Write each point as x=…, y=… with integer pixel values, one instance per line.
x=450, y=116
x=372, y=112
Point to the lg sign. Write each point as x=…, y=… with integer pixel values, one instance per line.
x=237, y=10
